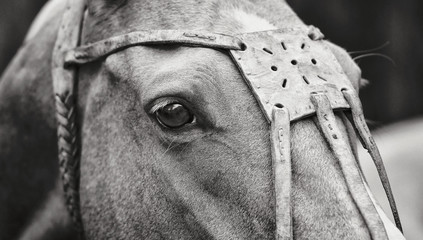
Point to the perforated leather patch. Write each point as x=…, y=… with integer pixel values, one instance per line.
x=285, y=66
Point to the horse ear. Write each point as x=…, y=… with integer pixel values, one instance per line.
x=100, y=7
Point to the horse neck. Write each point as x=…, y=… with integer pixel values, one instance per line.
x=27, y=129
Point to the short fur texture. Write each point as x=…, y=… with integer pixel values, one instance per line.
x=210, y=180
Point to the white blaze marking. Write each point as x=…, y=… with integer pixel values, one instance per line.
x=252, y=22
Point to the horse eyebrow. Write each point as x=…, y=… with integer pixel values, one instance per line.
x=190, y=74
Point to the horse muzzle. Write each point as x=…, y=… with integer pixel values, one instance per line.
x=293, y=75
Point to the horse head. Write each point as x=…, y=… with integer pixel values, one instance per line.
x=174, y=145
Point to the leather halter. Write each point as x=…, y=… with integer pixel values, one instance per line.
x=312, y=83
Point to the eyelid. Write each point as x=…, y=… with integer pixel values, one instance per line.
x=161, y=103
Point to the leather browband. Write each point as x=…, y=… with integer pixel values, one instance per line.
x=97, y=50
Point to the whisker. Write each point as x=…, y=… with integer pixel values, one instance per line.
x=170, y=147
x=186, y=146
x=374, y=124
x=370, y=50
x=375, y=55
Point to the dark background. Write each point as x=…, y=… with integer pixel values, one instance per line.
x=395, y=90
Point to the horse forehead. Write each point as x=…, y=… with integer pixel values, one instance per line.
x=219, y=16
x=148, y=63
x=200, y=59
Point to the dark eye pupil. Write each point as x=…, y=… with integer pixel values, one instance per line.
x=174, y=115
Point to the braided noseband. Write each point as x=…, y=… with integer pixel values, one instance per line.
x=68, y=155
x=64, y=80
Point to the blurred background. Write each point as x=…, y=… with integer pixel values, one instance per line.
x=393, y=100
x=395, y=91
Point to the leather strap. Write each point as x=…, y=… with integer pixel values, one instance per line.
x=342, y=152
x=101, y=49
x=281, y=156
x=368, y=143
x=64, y=81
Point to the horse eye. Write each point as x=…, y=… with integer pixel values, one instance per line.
x=174, y=115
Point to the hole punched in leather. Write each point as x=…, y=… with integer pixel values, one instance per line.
x=297, y=66
x=284, y=83
x=243, y=46
x=268, y=51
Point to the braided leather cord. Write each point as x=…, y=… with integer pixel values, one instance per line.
x=64, y=83
x=68, y=156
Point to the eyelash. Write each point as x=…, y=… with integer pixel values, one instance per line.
x=161, y=104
